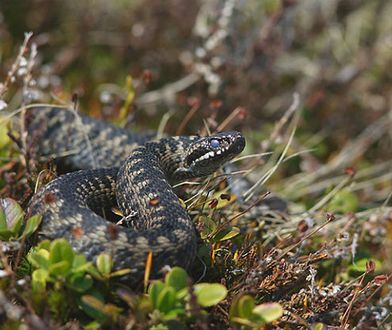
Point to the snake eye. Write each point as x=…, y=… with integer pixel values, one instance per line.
x=215, y=144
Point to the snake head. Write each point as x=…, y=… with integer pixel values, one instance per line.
x=206, y=154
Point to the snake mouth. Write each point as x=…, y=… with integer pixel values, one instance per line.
x=215, y=149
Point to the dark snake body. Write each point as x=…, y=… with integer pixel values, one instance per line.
x=73, y=204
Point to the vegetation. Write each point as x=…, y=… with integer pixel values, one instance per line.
x=299, y=235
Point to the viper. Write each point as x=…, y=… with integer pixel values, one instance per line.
x=129, y=171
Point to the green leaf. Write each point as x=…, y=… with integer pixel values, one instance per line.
x=177, y=278
x=209, y=294
x=13, y=214
x=61, y=250
x=175, y=312
x=181, y=294
x=5, y=235
x=12, y=211
x=228, y=234
x=93, y=305
x=3, y=221
x=242, y=307
x=209, y=227
x=244, y=322
x=160, y=326
x=44, y=245
x=112, y=311
x=246, y=306
x=154, y=290
x=268, y=312
x=39, y=279
x=80, y=264
x=120, y=272
x=166, y=299
x=60, y=268
x=360, y=265
x=104, y=264
x=80, y=283
x=93, y=271
x=32, y=225
x=39, y=258
x=16, y=227
x=93, y=325
x=4, y=138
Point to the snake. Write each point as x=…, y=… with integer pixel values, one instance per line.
x=113, y=167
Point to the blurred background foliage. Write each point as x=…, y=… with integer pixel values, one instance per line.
x=335, y=54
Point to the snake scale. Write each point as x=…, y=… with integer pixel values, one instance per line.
x=124, y=169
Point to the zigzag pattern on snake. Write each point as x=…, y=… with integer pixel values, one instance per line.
x=132, y=172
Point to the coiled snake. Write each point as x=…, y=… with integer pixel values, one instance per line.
x=133, y=173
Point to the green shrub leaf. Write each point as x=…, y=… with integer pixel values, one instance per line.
x=39, y=258
x=32, y=225
x=268, y=312
x=80, y=264
x=104, y=264
x=61, y=250
x=80, y=282
x=44, y=245
x=154, y=291
x=5, y=235
x=3, y=220
x=209, y=294
x=11, y=217
x=60, y=268
x=120, y=272
x=242, y=307
x=94, y=306
x=319, y=326
x=228, y=234
x=177, y=278
x=166, y=299
x=360, y=265
x=209, y=227
x=39, y=279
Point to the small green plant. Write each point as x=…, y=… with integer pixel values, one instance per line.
x=55, y=262
x=213, y=233
x=104, y=268
x=93, y=302
x=66, y=276
x=11, y=221
x=172, y=298
x=245, y=313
